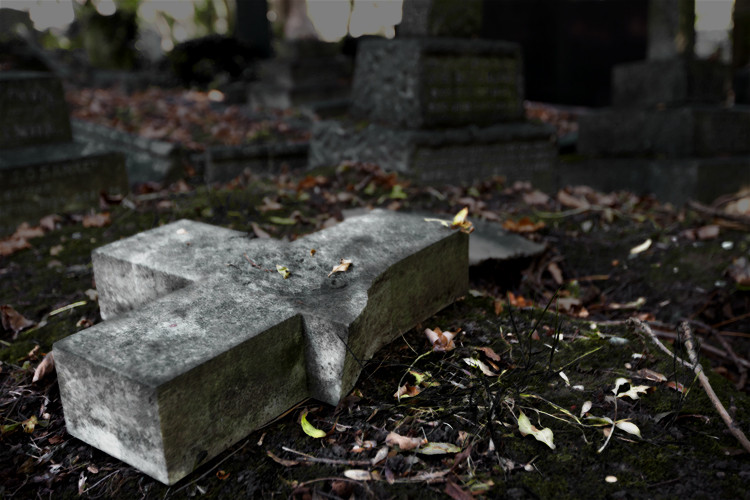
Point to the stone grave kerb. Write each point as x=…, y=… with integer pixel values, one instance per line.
x=205, y=341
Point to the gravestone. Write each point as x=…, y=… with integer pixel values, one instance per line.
x=309, y=74
x=42, y=170
x=438, y=108
x=669, y=118
x=204, y=341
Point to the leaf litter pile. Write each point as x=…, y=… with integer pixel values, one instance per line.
x=570, y=374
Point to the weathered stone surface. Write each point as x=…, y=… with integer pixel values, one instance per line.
x=516, y=150
x=205, y=341
x=33, y=110
x=146, y=160
x=35, y=182
x=428, y=83
x=223, y=163
x=42, y=170
x=444, y=18
x=671, y=29
x=670, y=180
x=674, y=132
x=674, y=81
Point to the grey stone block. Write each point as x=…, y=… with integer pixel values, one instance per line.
x=205, y=341
x=33, y=110
x=672, y=132
x=674, y=81
x=42, y=170
x=146, y=160
x=517, y=150
x=35, y=182
x=429, y=83
x=224, y=163
x=441, y=18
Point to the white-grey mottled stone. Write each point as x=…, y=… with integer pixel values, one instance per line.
x=201, y=346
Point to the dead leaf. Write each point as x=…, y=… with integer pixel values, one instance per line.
x=651, y=375
x=96, y=220
x=259, y=233
x=44, y=368
x=283, y=270
x=12, y=245
x=269, y=205
x=707, y=232
x=441, y=341
x=407, y=391
x=556, y=273
x=490, y=353
x=518, y=301
x=222, y=475
x=570, y=201
x=49, y=222
x=362, y=475
x=460, y=221
x=27, y=232
x=341, y=267
x=498, y=305
x=13, y=320
x=523, y=225
x=739, y=271
x=479, y=364
x=535, y=198
x=404, y=443
x=30, y=424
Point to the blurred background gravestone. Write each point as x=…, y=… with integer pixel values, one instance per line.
x=672, y=130
x=42, y=170
x=438, y=105
x=306, y=71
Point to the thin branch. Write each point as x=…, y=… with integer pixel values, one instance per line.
x=741, y=368
x=698, y=207
x=327, y=461
x=698, y=369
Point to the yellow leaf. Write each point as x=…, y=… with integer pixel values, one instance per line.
x=29, y=424
x=525, y=428
x=283, y=271
x=341, y=267
x=309, y=429
x=459, y=221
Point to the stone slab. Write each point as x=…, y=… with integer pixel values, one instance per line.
x=517, y=150
x=431, y=82
x=673, y=132
x=674, y=81
x=222, y=164
x=670, y=180
x=35, y=182
x=146, y=160
x=33, y=110
x=441, y=18
x=201, y=346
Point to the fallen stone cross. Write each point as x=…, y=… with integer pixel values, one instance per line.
x=205, y=340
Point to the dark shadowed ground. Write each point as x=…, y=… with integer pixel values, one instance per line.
x=457, y=428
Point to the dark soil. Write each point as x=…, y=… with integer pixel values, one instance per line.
x=544, y=365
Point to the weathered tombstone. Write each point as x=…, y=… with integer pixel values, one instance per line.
x=438, y=108
x=41, y=169
x=204, y=341
x=305, y=73
x=669, y=116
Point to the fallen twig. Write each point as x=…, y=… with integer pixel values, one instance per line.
x=698, y=370
x=328, y=461
x=741, y=368
x=698, y=207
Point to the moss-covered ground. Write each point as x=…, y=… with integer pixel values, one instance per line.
x=557, y=368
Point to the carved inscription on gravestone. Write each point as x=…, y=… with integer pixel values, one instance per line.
x=467, y=89
x=33, y=110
